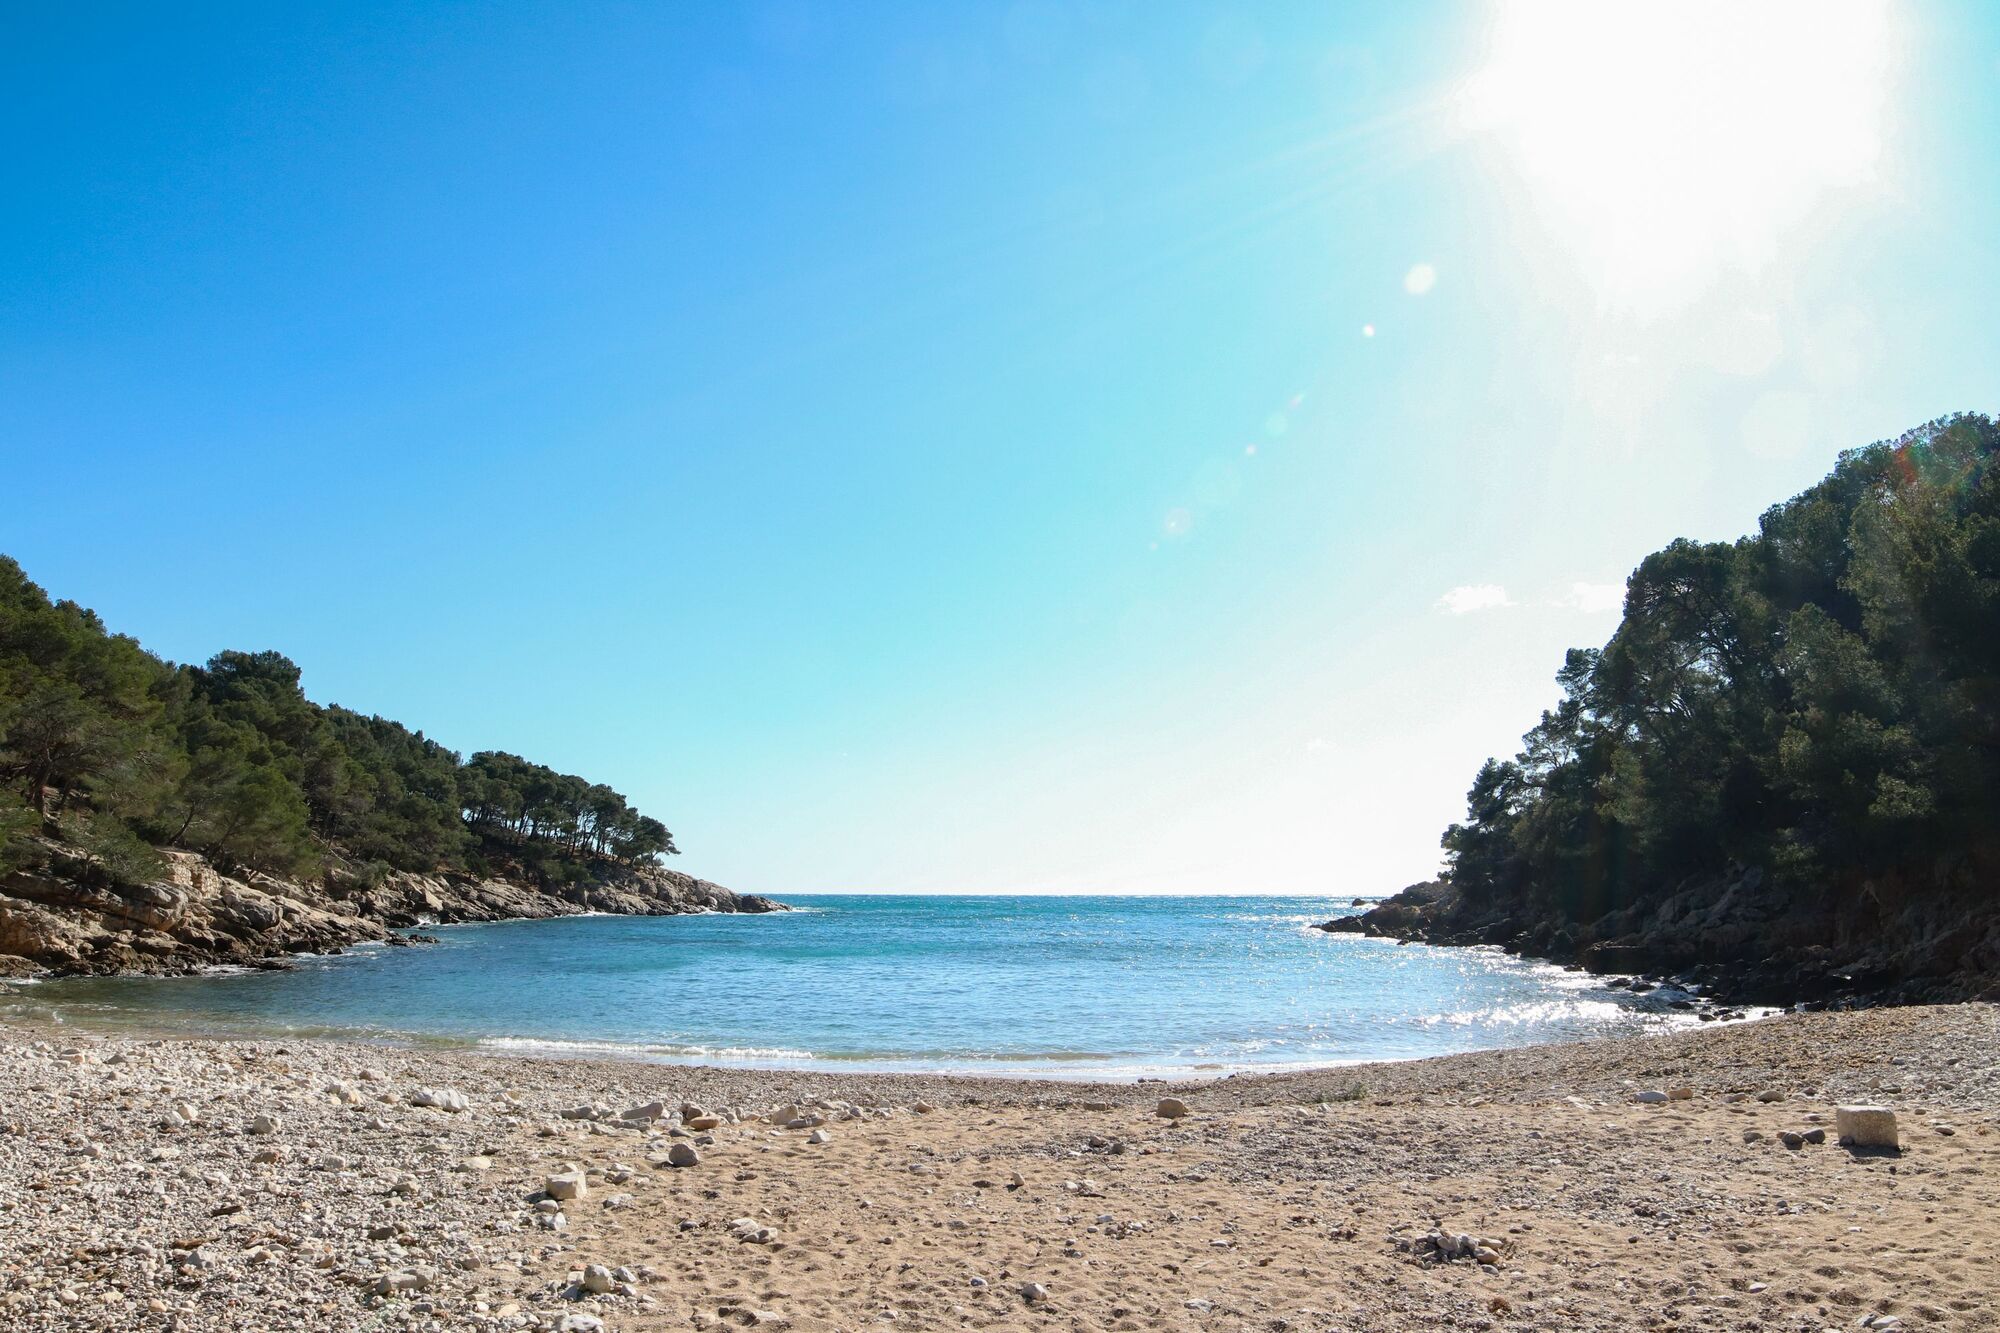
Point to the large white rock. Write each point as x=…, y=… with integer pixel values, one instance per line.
x=566, y=1185
x=444, y=1099
x=1866, y=1127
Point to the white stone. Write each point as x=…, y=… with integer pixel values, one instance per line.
x=1866, y=1127
x=565, y=1185
x=444, y=1099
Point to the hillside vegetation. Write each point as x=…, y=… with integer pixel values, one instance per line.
x=111, y=752
x=1783, y=766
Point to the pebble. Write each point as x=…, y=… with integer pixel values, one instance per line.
x=683, y=1154
x=750, y=1231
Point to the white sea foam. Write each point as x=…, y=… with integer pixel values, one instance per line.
x=640, y=1050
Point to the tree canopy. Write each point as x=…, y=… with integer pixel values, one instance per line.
x=1821, y=698
x=116, y=752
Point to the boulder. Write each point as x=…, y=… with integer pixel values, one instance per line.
x=566, y=1185
x=1866, y=1127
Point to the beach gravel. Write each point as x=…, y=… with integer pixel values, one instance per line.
x=184, y=1184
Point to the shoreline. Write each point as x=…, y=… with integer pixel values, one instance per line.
x=156, y=1015
x=1034, y=1069
x=226, y=1183
x=16, y=1029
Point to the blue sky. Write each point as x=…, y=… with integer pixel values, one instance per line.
x=990, y=446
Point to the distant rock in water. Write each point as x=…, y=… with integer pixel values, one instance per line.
x=57, y=917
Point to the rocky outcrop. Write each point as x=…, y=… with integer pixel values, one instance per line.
x=1740, y=938
x=57, y=917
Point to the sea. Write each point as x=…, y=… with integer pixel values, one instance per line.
x=1067, y=987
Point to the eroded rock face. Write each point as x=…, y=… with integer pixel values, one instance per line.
x=1740, y=938
x=194, y=915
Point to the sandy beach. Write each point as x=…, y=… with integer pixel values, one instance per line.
x=197, y=1184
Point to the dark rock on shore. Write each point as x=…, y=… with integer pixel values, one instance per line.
x=57, y=918
x=1739, y=939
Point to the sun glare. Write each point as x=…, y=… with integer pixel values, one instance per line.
x=1666, y=143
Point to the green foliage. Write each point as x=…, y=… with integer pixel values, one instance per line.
x=1821, y=698
x=111, y=748
x=17, y=825
x=111, y=853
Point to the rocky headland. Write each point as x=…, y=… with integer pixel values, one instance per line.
x=59, y=917
x=1737, y=939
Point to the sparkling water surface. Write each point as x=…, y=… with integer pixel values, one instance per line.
x=1115, y=987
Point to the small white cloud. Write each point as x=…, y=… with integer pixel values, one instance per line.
x=1591, y=597
x=1470, y=597
x=1420, y=279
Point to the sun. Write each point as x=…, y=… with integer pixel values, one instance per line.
x=1666, y=143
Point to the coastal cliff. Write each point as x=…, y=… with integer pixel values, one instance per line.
x=59, y=916
x=1741, y=938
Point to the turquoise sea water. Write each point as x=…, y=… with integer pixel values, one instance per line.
x=1108, y=987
